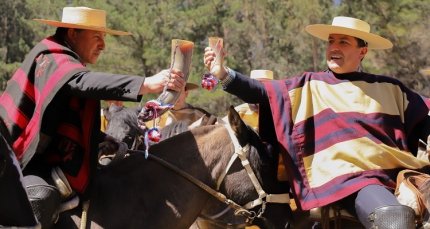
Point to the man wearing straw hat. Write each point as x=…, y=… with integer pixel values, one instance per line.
x=346, y=133
x=50, y=108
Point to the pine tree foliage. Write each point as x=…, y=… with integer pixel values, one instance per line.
x=258, y=34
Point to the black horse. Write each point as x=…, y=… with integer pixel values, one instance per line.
x=136, y=192
x=15, y=208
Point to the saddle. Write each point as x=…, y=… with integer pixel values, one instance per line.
x=412, y=190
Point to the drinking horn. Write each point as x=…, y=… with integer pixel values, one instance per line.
x=181, y=55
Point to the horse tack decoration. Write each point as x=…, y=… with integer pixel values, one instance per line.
x=181, y=55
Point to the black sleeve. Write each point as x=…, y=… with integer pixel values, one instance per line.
x=247, y=89
x=423, y=131
x=105, y=86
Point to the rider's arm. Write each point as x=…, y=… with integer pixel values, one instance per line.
x=105, y=86
x=247, y=89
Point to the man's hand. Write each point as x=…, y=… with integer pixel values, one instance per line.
x=156, y=83
x=215, y=63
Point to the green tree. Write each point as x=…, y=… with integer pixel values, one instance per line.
x=405, y=23
x=264, y=34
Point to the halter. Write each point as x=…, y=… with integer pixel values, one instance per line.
x=137, y=141
x=241, y=153
x=263, y=198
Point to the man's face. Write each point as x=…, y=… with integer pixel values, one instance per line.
x=87, y=44
x=343, y=54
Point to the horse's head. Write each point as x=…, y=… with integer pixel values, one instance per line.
x=206, y=152
x=256, y=170
x=122, y=125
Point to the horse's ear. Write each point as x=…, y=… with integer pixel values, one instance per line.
x=238, y=125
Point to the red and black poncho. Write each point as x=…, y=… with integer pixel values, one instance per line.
x=29, y=92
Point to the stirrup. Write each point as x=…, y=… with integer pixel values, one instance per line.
x=61, y=182
x=395, y=216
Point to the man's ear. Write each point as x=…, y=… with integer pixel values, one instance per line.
x=71, y=36
x=363, y=52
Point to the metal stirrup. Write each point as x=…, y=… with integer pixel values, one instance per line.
x=391, y=217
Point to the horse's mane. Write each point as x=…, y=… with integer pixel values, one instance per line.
x=129, y=115
x=180, y=126
x=173, y=129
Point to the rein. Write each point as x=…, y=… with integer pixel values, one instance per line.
x=221, y=197
x=263, y=197
x=241, y=153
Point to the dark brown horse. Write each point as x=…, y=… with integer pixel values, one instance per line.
x=136, y=192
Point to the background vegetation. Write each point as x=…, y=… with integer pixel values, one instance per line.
x=258, y=34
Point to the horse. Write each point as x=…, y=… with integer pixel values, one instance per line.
x=15, y=208
x=125, y=128
x=140, y=192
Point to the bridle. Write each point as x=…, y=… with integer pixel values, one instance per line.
x=241, y=153
x=138, y=140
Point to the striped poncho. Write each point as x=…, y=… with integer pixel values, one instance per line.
x=343, y=132
x=29, y=92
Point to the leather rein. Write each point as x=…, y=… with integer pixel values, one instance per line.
x=241, y=153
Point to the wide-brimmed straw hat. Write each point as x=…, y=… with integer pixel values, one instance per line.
x=352, y=27
x=191, y=86
x=83, y=18
x=261, y=74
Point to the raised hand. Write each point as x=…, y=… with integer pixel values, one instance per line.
x=155, y=84
x=214, y=62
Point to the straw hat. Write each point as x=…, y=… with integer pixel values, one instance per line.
x=262, y=75
x=191, y=86
x=352, y=27
x=83, y=18
x=425, y=72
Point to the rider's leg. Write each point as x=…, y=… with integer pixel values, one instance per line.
x=378, y=207
x=44, y=199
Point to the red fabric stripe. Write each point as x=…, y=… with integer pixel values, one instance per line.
x=75, y=105
x=51, y=45
x=80, y=182
x=7, y=102
x=20, y=77
x=23, y=142
x=71, y=132
x=338, y=195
